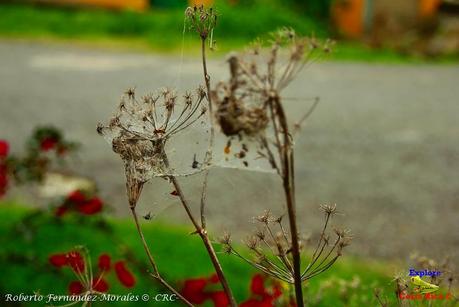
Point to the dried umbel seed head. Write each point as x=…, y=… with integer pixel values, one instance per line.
x=252, y=242
x=200, y=19
x=139, y=131
x=260, y=234
x=328, y=209
x=265, y=218
x=342, y=233
x=344, y=242
x=225, y=240
x=234, y=120
x=256, y=78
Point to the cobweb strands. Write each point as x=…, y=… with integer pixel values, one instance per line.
x=142, y=132
x=249, y=134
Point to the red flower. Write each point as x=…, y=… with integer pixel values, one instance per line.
x=250, y=303
x=277, y=291
x=193, y=290
x=214, y=279
x=61, y=210
x=76, y=261
x=104, y=262
x=4, y=148
x=48, y=143
x=260, y=296
x=78, y=201
x=220, y=299
x=3, y=180
x=92, y=206
x=75, y=288
x=257, y=286
x=76, y=197
x=100, y=284
x=58, y=260
x=123, y=274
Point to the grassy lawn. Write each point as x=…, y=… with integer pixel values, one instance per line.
x=29, y=236
x=162, y=30
x=156, y=29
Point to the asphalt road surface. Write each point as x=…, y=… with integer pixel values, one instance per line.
x=383, y=143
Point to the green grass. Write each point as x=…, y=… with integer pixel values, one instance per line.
x=156, y=29
x=29, y=236
x=162, y=30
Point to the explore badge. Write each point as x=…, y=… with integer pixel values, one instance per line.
x=422, y=286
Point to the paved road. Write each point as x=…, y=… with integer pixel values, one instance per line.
x=383, y=143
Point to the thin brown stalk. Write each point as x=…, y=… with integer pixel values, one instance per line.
x=155, y=274
x=205, y=238
x=287, y=179
x=208, y=157
x=201, y=229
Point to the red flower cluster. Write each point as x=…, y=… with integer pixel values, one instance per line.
x=4, y=150
x=260, y=295
x=199, y=290
x=124, y=275
x=49, y=138
x=48, y=143
x=74, y=260
x=79, y=202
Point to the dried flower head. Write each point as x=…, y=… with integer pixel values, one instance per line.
x=255, y=78
x=139, y=131
x=252, y=242
x=342, y=233
x=265, y=218
x=226, y=238
x=272, y=248
x=328, y=209
x=202, y=20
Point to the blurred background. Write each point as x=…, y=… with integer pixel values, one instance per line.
x=424, y=28
x=382, y=143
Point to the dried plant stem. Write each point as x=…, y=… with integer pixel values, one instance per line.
x=205, y=238
x=202, y=229
x=287, y=179
x=208, y=157
x=155, y=274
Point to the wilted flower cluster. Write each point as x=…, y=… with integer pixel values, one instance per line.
x=140, y=129
x=247, y=103
x=271, y=248
x=87, y=282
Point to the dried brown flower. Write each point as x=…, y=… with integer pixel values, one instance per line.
x=139, y=130
x=328, y=209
